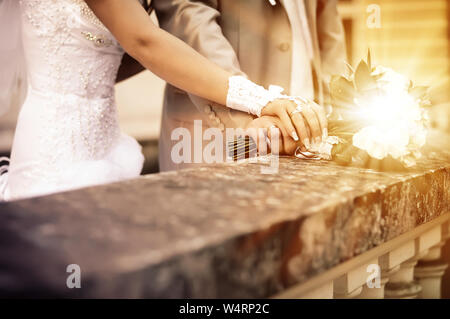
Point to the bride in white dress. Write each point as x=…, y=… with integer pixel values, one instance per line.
x=67, y=133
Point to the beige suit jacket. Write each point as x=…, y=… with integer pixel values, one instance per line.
x=249, y=37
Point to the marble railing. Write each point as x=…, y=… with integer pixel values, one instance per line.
x=408, y=266
x=314, y=229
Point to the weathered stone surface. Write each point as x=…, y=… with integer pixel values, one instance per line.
x=219, y=231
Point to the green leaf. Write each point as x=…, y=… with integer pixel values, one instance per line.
x=352, y=70
x=344, y=128
x=340, y=85
x=342, y=91
x=363, y=78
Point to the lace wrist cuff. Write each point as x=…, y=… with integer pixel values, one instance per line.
x=246, y=96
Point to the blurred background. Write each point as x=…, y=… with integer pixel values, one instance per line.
x=410, y=36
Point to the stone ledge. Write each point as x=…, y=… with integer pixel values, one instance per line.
x=218, y=231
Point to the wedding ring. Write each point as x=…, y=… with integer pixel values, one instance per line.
x=298, y=109
x=301, y=103
x=306, y=155
x=295, y=112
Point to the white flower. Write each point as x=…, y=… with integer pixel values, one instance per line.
x=391, y=81
x=400, y=141
x=395, y=120
x=321, y=150
x=419, y=136
x=379, y=142
x=324, y=148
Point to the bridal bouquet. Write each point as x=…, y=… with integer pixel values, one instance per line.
x=378, y=119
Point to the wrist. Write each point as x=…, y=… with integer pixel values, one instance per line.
x=246, y=96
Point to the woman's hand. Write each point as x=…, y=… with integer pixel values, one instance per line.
x=308, y=122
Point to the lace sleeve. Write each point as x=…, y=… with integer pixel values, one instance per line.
x=246, y=96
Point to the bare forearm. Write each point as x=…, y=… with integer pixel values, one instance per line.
x=181, y=66
x=163, y=54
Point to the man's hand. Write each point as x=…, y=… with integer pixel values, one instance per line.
x=262, y=127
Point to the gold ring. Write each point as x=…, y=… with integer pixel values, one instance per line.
x=297, y=110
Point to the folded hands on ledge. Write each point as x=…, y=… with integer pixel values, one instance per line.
x=301, y=124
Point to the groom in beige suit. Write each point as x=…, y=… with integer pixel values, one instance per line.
x=296, y=44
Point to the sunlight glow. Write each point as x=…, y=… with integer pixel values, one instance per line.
x=394, y=121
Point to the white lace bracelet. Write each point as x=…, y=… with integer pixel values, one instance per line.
x=246, y=96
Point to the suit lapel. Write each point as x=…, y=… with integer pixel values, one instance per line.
x=311, y=12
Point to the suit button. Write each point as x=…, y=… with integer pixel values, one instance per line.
x=284, y=47
x=207, y=109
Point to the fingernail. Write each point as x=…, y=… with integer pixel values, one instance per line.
x=306, y=143
x=295, y=136
x=325, y=134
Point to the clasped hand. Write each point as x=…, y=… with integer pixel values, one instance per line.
x=300, y=121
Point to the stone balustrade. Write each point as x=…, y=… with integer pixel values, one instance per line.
x=313, y=229
x=409, y=267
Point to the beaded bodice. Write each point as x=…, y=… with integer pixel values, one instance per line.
x=68, y=49
x=67, y=134
x=72, y=61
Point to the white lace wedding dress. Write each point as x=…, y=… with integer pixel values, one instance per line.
x=67, y=134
